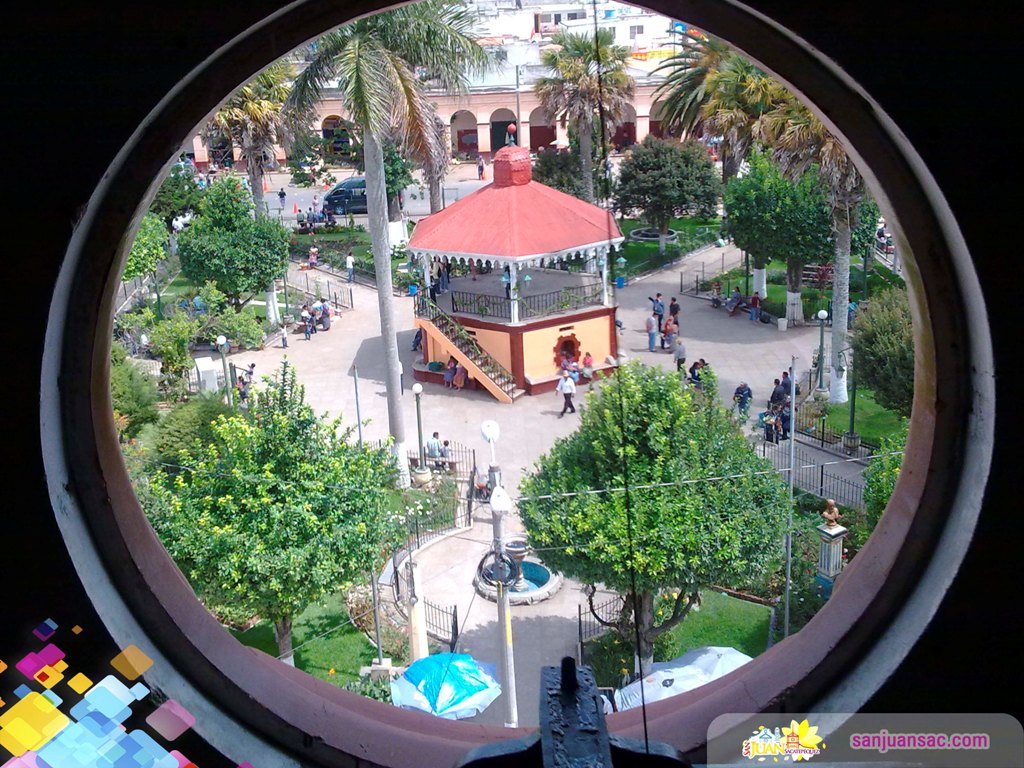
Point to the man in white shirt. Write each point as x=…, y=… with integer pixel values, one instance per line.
x=350, y=265
x=567, y=387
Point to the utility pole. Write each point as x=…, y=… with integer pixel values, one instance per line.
x=501, y=505
x=792, y=472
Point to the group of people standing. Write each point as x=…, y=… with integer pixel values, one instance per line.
x=570, y=373
x=662, y=322
x=455, y=374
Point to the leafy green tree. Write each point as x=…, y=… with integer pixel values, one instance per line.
x=560, y=170
x=171, y=340
x=704, y=509
x=277, y=510
x=372, y=62
x=884, y=350
x=665, y=179
x=225, y=244
x=178, y=194
x=149, y=247
x=187, y=427
x=588, y=81
x=771, y=217
x=133, y=394
x=879, y=481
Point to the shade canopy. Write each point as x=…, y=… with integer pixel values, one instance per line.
x=515, y=219
x=449, y=685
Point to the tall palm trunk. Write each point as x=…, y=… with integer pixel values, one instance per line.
x=377, y=214
x=586, y=140
x=840, y=300
x=254, y=170
x=436, y=199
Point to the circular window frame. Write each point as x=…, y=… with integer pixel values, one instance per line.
x=880, y=606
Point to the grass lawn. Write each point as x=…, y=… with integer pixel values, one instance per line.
x=345, y=650
x=721, y=621
x=873, y=422
x=642, y=256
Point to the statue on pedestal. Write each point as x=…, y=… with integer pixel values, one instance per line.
x=831, y=514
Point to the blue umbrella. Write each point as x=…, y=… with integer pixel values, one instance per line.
x=449, y=685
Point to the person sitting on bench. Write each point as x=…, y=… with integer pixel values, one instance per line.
x=734, y=302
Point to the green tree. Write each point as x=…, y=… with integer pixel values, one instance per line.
x=188, y=427
x=589, y=81
x=226, y=245
x=883, y=349
x=704, y=508
x=276, y=511
x=879, y=481
x=178, y=194
x=665, y=179
x=132, y=393
x=253, y=120
x=560, y=170
x=149, y=247
x=372, y=63
x=171, y=340
x=771, y=217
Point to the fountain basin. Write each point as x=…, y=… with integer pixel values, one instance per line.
x=537, y=584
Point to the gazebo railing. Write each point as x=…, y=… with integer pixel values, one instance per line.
x=482, y=304
x=564, y=300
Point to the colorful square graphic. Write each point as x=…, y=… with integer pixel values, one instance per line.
x=80, y=683
x=183, y=762
x=30, y=664
x=51, y=654
x=48, y=676
x=29, y=724
x=28, y=760
x=131, y=662
x=2, y=665
x=171, y=720
x=109, y=697
x=45, y=630
x=139, y=691
x=76, y=630
x=61, y=665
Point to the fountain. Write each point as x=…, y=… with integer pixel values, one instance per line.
x=536, y=581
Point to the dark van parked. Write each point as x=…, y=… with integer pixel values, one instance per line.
x=348, y=197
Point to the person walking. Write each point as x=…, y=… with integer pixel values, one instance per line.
x=652, y=331
x=567, y=388
x=659, y=309
x=668, y=333
x=281, y=196
x=480, y=167
x=755, y=307
x=350, y=266
x=673, y=311
x=742, y=397
x=679, y=353
x=778, y=394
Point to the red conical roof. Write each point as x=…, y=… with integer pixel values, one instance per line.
x=515, y=217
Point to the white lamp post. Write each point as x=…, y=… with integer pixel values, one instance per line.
x=501, y=505
x=222, y=345
x=822, y=316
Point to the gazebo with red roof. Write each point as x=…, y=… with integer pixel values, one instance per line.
x=549, y=295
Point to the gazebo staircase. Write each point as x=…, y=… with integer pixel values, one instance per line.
x=494, y=377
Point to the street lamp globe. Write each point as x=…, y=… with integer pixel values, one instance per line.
x=490, y=430
x=222, y=341
x=822, y=315
x=501, y=502
x=417, y=389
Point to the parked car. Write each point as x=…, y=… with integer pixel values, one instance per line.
x=348, y=197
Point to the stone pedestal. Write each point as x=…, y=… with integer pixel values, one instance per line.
x=830, y=555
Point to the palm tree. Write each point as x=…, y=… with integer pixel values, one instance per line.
x=253, y=119
x=684, y=92
x=589, y=82
x=372, y=62
x=799, y=142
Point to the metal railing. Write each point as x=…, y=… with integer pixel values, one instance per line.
x=813, y=477
x=481, y=304
x=326, y=284
x=589, y=627
x=465, y=343
x=442, y=621
x=811, y=430
x=564, y=300
x=692, y=278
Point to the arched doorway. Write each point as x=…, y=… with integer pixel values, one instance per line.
x=464, y=138
x=500, y=121
x=656, y=118
x=542, y=130
x=625, y=132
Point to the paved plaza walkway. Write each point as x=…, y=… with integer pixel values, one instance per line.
x=735, y=347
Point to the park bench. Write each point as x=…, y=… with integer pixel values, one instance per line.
x=437, y=462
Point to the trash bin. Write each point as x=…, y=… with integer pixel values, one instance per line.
x=782, y=323
x=620, y=282
x=413, y=289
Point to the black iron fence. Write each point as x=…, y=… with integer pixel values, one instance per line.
x=456, y=460
x=816, y=430
x=538, y=305
x=692, y=278
x=481, y=304
x=814, y=477
x=442, y=621
x=588, y=627
x=565, y=300
x=324, y=284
